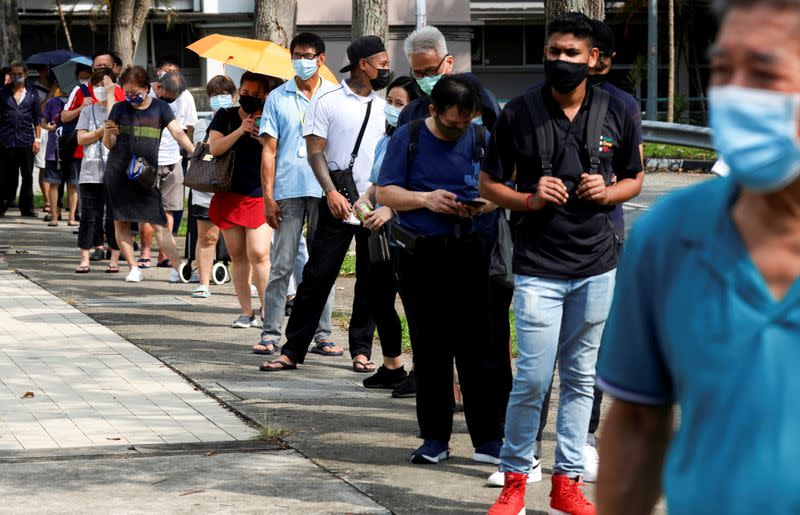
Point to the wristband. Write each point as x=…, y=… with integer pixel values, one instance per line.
x=528, y=202
x=38, y=140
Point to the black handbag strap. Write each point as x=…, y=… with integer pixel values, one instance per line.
x=354, y=154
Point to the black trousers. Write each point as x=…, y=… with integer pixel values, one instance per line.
x=17, y=161
x=93, y=206
x=375, y=292
x=445, y=289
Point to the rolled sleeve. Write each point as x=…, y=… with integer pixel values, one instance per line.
x=270, y=124
x=631, y=365
x=317, y=119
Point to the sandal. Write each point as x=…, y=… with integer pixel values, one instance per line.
x=320, y=347
x=52, y=224
x=265, y=367
x=83, y=269
x=143, y=263
x=265, y=342
x=112, y=269
x=164, y=264
x=73, y=224
x=363, y=367
x=202, y=292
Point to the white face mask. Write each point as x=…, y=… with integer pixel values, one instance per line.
x=100, y=93
x=160, y=74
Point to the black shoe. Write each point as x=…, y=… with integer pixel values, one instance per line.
x=97, y=255
x=385, y=378
x=29, y=214
x=288, y=309
x=407, y=388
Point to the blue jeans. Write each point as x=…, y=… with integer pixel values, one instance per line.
x=563, y=319
x=295, y=212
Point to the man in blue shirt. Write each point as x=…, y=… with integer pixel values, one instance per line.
x=707, y=308
x=291, y=192
x=20, y=136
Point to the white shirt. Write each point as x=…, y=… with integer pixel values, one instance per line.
x=337, y=116
x=185, y=110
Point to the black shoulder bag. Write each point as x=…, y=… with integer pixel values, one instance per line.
x=343, y=180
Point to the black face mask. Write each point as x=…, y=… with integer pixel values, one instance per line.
x=250, y=104
x=598, y=80
x=382, y=80
x=169, y=100
x=564, y=76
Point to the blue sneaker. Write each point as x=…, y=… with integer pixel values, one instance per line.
x=431, y=452
x=488, y=452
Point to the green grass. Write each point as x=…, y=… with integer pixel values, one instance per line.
x=348, y=266
x=676, y=152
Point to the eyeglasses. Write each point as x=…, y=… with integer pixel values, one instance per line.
x=430, y=72
x=296, y=56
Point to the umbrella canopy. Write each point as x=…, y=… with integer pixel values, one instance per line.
x=254, y=55
x=65, y=73
x=51, y=58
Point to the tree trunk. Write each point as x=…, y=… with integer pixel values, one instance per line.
x=371, y=18
x=671, y=71
x=275, y=20
x=126, y=20
x=10, y=46
x=595, y=9
x=64, y=24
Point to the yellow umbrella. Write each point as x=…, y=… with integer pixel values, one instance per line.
x=253, y=55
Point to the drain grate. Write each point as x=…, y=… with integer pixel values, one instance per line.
x=145, y=301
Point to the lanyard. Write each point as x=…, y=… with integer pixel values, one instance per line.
x=297, y=102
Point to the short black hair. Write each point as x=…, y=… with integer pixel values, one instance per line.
x=457, y=91
x=173, y=82
x=266, y=82
x=114, y=56
x=577, y=24
x=408, y=84
x=82, y=68
x=308, y=39
x=168, y=59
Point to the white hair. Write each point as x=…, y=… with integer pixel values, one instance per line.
x=424, y=40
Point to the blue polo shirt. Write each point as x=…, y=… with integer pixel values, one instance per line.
x=283, y=119
x=694, y=323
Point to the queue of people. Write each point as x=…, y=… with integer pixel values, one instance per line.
x=419, y=173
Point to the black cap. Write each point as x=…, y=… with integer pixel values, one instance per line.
x=603, y=37
x=361, y=49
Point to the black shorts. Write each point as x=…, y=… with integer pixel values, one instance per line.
x=199, y=213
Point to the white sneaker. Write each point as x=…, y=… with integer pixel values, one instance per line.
x=134, y=276
x=591, y=464
x=195, y=278
x=498, y=479
x=174, y=276
x=253, y=291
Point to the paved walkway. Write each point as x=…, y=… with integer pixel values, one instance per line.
x=67, y=381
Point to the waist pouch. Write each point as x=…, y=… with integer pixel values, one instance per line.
x=345, y=184
x=404, y=238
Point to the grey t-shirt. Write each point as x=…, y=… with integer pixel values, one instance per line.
x=94, y=155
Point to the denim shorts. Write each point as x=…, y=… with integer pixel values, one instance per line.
x=52, y=175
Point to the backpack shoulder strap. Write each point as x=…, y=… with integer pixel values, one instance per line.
x=85, y=90
x=480, y=143
x=413, y=144
x=543, y=127
x=594, y=126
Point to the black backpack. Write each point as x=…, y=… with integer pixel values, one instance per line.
x=68, y=141
x=413, y=145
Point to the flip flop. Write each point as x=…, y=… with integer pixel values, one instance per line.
x=112, y=269
x=73, y=224
x=263, y=343
x=82, y=270
x=52, y=224
x=143, y=263
x=367, y=367
x=164, y=264
x=320, y=349
x=283, y=366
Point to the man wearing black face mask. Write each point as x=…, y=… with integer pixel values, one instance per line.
x=565, y=249
x=342, y=128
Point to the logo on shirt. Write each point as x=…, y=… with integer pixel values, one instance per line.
x=606, y=144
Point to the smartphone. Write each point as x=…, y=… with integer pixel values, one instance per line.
x=472, y=203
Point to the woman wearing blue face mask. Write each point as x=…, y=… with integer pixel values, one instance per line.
x=221, y=94
x=382, y=283
x=133, y=130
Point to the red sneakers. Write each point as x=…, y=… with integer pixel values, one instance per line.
x=566, y=497
x=512, y=498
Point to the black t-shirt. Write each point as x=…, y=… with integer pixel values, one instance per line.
x=577, y=239
x=139, y=132
x=247, y=163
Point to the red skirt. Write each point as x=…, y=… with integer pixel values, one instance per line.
x=229, y=210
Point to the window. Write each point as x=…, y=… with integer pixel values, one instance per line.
x=503, y=45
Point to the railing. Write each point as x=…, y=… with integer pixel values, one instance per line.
x=677, y=134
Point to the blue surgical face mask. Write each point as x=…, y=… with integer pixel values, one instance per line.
x=304, y=68
x=222, y=101
x=392, y=114
x=478, y=120
x=755, y=132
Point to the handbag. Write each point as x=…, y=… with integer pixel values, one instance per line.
x=378, y=244
x=142, y=172
x=343, y=180
x=500, y=269
x=207, y=172
x=404, y=238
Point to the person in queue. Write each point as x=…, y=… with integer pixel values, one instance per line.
x=565, y=252
x=239, y=213
x=221, y=93
x=442, y=229
x=91, y=127
x=291, y=192
x=19, y=140
x=705, y=313
x=133, y=133
x=332, y=130
x=55, y=181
